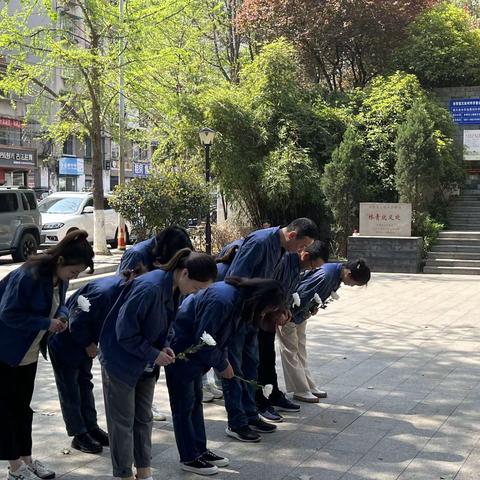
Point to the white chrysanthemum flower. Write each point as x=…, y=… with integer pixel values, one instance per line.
x=296, y=300
x=83, y=303
x=335, y=296
x=317, y=299
x=208, y=339
x=267, y=390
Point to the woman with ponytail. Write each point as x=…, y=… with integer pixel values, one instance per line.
x=32, y=305
x=72, y=353
x=315, y=289
x=133, y=344
x=219, y=311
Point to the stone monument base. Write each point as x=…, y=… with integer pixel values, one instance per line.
x=387, y=254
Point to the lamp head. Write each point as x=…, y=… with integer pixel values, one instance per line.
x=206, y=136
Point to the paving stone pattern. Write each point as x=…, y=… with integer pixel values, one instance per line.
x=400, y=360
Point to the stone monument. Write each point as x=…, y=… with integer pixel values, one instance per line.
x=385, y=239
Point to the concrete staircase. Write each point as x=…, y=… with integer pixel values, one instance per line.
x=457, y=249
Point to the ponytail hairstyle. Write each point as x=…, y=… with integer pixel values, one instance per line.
x=359, y=271
x=201, y=267
x=129, y=274
x=169, y=241
x=229, y=256
x=74, y=249
x=318, y=250
x=259, y=294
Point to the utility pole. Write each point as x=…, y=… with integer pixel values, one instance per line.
x=121, y=235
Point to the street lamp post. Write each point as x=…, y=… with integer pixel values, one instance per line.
x=206, y=138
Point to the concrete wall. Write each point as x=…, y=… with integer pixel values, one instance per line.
x=387, y=254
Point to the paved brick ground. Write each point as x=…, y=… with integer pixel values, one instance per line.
x=401, y=362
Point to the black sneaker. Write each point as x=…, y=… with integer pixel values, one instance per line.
x=258, y=425
x=270, y=415
x=244, y=434
x=215, y=459
x=86, y=444
x=200, y=467
x=283, y=404
x=100, y=436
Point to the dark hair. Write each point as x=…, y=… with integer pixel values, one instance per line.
x=169, y=241
x=317, y=250
x=200, y=266
x=74, y=249
x=304, y=228
x=359, y=271
x=130, y=274
x=259, y=293
x=229, y=255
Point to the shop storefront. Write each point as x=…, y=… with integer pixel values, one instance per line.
x=17, y=166
x=71, y=174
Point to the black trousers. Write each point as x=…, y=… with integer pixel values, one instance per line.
x=75, y=391
x=15, y=413
x=267, y=373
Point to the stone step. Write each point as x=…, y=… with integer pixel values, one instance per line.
x=468, y=222
x=452, y=270
x=81, y=281
x=446, y=241
x=454, y=235
x=465, y=204
x=465, y=227
x=456, y=248
x=453, y=256
x=452, y=262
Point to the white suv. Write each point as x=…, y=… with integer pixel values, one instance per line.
x=63, y=212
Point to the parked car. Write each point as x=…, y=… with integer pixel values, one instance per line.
x=63, y=212
x=20, y=223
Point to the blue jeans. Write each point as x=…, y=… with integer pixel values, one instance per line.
x=75, y=391
x=240, y=396
x=185, y=393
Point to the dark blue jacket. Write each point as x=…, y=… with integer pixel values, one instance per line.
x=222, y=268
x=140, y=253
x=215, y=310
x=136, y=328
x=323, y=281
x=84, y=327
x=24, y=311
x=288, y=274
x=259, y=254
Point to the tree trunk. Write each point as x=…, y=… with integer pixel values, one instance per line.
x=99, y=235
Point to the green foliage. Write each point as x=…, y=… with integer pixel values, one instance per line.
x=442, y=48
x=344, y=183
x=425, y=226
x=171, y=194
x=418, y=167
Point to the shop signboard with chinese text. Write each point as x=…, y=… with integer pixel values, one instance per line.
x=140, y=169
x=17, y=157
x=71, y=166
x=386, y=219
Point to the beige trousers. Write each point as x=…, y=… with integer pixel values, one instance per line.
x=292, y=340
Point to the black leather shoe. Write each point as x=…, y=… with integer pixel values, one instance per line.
x=101, y=436
x=86, y=444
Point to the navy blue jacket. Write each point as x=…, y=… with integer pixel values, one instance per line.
x=288, y=274
x=24, y=311
x=323, y=281
x=84, y=327
x=222, y=268
x=215, y=310
x=136, y=328
x=259, y=255
x=140, y=253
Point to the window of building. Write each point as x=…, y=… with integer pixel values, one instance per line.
x=88, y=147
x=8, y=202
x=68, y=146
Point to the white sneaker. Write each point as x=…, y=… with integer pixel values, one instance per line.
x=158, y=415
x=207, y=395
x=40, y=470
x=307, y=397
x=217, y=393
x=23, y=473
